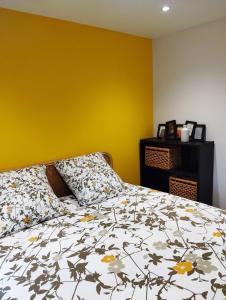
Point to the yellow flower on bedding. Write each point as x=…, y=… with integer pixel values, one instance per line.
x=108, y=259
x=26, y=220
x=87, y=218
x=65, y=211
x=125, y=202
x=217, y=234
x=13, y=185
x=50, y=200
x=183, y=267
x=106, y=190
x=33, y=239
x=190, y=210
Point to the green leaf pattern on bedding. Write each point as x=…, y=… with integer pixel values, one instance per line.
x=90, y=178
x=26, y=199
x=140, y=245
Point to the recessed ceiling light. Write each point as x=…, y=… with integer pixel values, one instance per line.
x=165, y=8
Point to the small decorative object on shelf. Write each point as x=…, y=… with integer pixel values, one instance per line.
x=191, y=127
x=185, y=134
x=184, y=169
x=171, y=130
x=200, y=133
x=179, y=127
x=161, y=131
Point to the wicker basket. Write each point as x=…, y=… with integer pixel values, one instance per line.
x=162, y=158
x=183, y=188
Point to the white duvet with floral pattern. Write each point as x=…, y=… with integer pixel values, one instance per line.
x=141, y=245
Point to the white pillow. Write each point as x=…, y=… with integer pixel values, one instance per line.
x=90, y=178
x=26, y=199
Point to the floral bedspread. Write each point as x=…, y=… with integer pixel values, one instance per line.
x=141, y=245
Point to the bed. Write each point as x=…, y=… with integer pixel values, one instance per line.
x=140, y=245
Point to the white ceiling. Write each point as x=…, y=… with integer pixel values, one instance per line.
x=139, y=17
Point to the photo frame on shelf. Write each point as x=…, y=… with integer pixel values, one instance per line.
x=161, y=131
x=200, y=133
x=171, y=130
x=191, y=127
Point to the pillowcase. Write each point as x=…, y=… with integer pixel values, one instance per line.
x=26, y=199
x=90, y=178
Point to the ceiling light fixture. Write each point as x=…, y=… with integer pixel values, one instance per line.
x=165, y=8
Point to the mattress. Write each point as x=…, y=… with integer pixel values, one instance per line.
x=141, y=245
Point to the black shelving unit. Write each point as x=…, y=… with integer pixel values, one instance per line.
x=197, y=159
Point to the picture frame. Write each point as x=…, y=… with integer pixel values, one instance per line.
x=171, y=130
x=191, y=127
x=161, y=131
x=179, y=127
x=200, y=133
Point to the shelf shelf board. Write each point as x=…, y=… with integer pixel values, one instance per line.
x=176, y=172
x=164, y=142
x=184, y=173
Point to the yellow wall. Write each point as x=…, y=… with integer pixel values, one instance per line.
x=67, y=89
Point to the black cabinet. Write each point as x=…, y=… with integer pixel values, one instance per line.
x=196, y=164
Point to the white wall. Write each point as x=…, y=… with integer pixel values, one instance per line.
x=190, y=84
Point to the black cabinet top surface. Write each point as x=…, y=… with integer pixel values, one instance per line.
x=174, y=142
